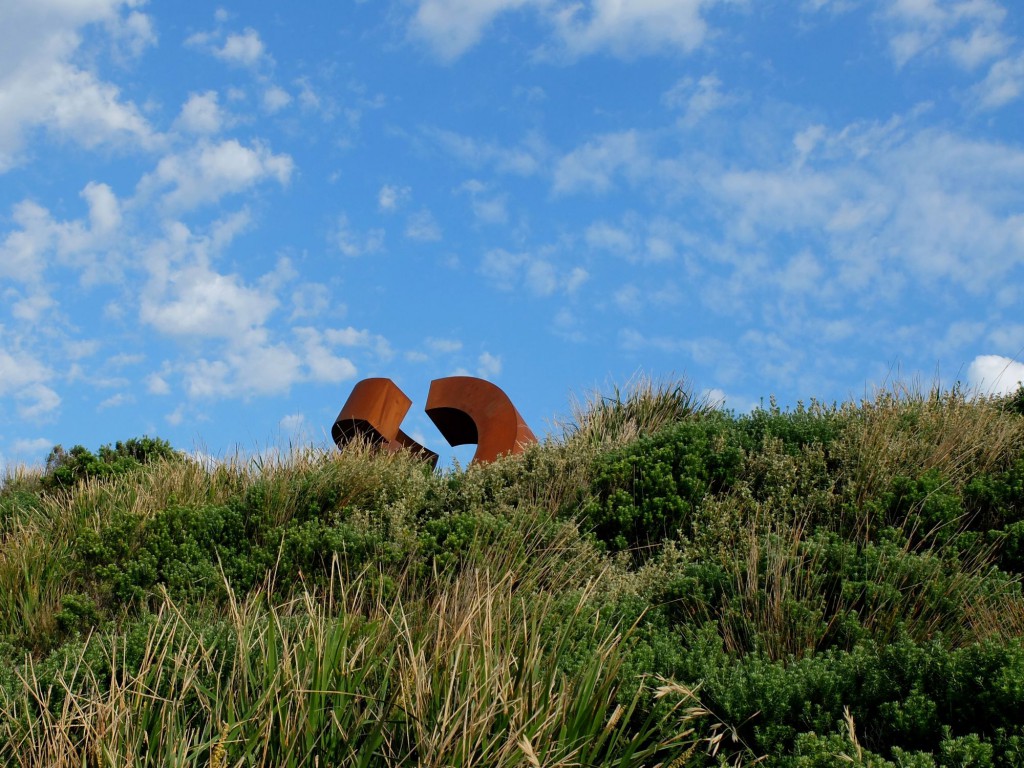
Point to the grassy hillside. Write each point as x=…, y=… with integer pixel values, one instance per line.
x=664, y=584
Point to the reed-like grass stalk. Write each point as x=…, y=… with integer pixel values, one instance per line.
x=641, y=407
x=337, y=678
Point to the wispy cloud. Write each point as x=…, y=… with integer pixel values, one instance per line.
x=353, y=243
x=627, y=30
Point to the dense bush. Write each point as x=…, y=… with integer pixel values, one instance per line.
x=643, y=493
x=65, y=468
x=667, y=584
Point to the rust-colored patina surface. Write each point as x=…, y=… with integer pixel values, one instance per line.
x=465, y=410
x=374, y=411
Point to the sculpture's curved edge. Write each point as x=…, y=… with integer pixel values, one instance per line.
x=375, y=410
x=465, y=407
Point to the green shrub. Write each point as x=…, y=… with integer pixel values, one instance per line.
x=816, y=424
x=641, y=494
x=65, y=468
x=807, y=588
x=1014, y=402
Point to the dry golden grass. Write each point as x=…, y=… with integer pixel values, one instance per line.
x=902, y=430
x=641, y=407
x=461, y=678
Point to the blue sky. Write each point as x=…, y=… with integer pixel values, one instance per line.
x=214, y=220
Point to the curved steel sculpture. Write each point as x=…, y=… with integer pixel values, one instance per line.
x=374, y=412
x=465, y=410
x=469, y=410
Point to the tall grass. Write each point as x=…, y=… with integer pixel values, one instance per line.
x=904, y=430
x=338, y=678
x=641, y=407
x=386, y=614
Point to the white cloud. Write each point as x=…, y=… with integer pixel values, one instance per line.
x=247, y=369
x=275, y=99
x=308, y=98
x=489, y=209
x=320, y=358
x=625, y=28
x=210, y=171
x=567, y=325
x=697, y=98
x=791, y=198
x=349, y=337
x=36, y=401
x=71, y=104
x=115, y=401
x=633, y=299
x=714, y=397
x=323, y=365
x=443, y=346
x=34, y=308
x=878, y=207
x=24, y=377
x=1003, y=84
x=157, y=385
x=312, y=300
x=995, y=375
x=390, y=197
x=628, y=298
x=423, y=226
x=38, y=242
x=524, y=159
x=198, y=302
x=575, y=279
x=979, y=46
x=352, y=243
x=201, y=114
x=294, y=425
x=352, y=337
x=629, y=28
x=175, y=417
x=541, y=278
x=245, y=49
x=454, y=26
x=133, y=33
x=23, y=251
x=1009, y=336
x=503, y=267
x=803, y=273
x=104, y=209
x=638, y=240
x=608, y=237
x=536, y=274
x=593, y=166
x=31, y=447
x=40, y=86
x=488, y=366
x=968, y=31
x=833, y=6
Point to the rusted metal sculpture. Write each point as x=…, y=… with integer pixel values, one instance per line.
x=465, y=410
x=374, y=412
